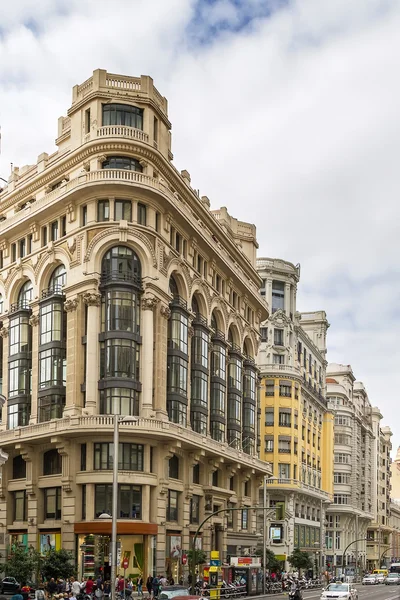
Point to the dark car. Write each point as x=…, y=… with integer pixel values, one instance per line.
x=9, y=585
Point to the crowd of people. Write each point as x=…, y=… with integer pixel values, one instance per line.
x=98, y=589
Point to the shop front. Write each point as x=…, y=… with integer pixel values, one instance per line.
x=136, y=545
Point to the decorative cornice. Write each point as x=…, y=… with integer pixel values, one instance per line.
x=92, y=298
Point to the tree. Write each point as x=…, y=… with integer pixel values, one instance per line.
x=199, y=556
x=57, y=564
x=300, y=560
x=22, y=564
x=272, y=564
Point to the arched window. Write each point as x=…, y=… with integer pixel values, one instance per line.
x=25, y=295
x=120, y=345
x=122, y=162
x=52, y=462
x=218, y=383
x=58, y=279
x=121, y=264
x=234, y=393
x=199, y=371
x=122, y=114
x=178, y=357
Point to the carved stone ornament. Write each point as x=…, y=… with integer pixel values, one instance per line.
x=71, y=304
x=34, y=320
x=165, y=312
x=190, y=331
x=92, y=298
x=4, y=332
x=149, y=302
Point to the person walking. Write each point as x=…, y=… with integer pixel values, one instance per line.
x=139, y=584
x=149, y=584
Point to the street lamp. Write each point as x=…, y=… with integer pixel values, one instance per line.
x=117, y=420
x=345, y=550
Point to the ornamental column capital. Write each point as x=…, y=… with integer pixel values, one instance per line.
x=71, y=304
x=165, y=312
x=92, y=298
x=149, y=302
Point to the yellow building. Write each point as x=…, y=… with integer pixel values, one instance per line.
x=296, y=426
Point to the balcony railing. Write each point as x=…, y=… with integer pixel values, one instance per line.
x=21, y=305
x=218, y=335
x=54, y=290
x=200, y=320
x=117, y=276
x=123, y=131
x=178, y=301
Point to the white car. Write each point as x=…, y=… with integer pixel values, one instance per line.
x=380, y=577
x=370, y=580
x=339, y=590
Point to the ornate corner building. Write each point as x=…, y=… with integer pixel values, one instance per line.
x=121, y=292
x=296, y=423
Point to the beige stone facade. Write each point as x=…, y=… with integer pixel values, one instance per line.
x=121, y=292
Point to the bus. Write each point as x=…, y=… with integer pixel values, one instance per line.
x=394, y=568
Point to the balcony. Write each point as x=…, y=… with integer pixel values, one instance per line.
x=295, y=483
x=85, y=426
x=123, y=132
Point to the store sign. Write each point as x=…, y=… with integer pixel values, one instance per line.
x=275, y=533
x=242, y=561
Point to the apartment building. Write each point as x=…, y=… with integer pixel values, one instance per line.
x=379, y=531
x=351, y=513
x=296, y=423
x=121, y=292
x=395, y=477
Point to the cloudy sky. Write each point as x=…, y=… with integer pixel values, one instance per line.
x=286, y=112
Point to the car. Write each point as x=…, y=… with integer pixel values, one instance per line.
x=172, y=591
x=380, y=577
x=370, y=580
x=9, y=585
x=392, y=579
x=346, y=591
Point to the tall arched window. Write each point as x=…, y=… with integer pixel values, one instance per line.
x=250, y=374
x=218, y=383
x=234, y=393
x=58, y=279
x=19, y=359
x=52, y=348
x=120, y=339
x=178, y=357
x=199, y=372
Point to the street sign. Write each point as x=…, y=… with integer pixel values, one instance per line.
x=125, y=563
x=214, y=562
x=184, y=559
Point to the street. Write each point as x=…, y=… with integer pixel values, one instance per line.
x=370, y=592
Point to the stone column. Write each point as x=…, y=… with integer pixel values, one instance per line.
x=34, y=322
x=93, y=300
x=4, y=334
x=287, y=300
x=160, y=372
x=149, y=302
x=74, y=357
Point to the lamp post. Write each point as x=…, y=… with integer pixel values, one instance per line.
x=213, y=514
x=117, y=420
x=345, y=550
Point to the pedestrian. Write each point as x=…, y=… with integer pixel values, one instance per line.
x=155, y=585
x=51, y=587
x=139, y=584
x=17, y=595
x=107, y=589
x=121, y=585
x=149, y=584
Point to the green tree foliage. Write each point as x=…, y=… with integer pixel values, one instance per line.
x=272, y=564
x=199, y=556
x=300, y=560
x=57, y=564
x=22, y=564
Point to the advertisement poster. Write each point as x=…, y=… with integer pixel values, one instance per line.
x=19, y=539
x=275, y=533
x=48, y=542
x=175, y=542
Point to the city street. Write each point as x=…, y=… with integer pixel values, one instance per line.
x=370, y=592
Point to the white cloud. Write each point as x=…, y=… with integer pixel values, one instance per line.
x=295, y=118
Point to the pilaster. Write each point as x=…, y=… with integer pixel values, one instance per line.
x=160, y=370
x=92, y=300
x=149, y=303
x=75, y=356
